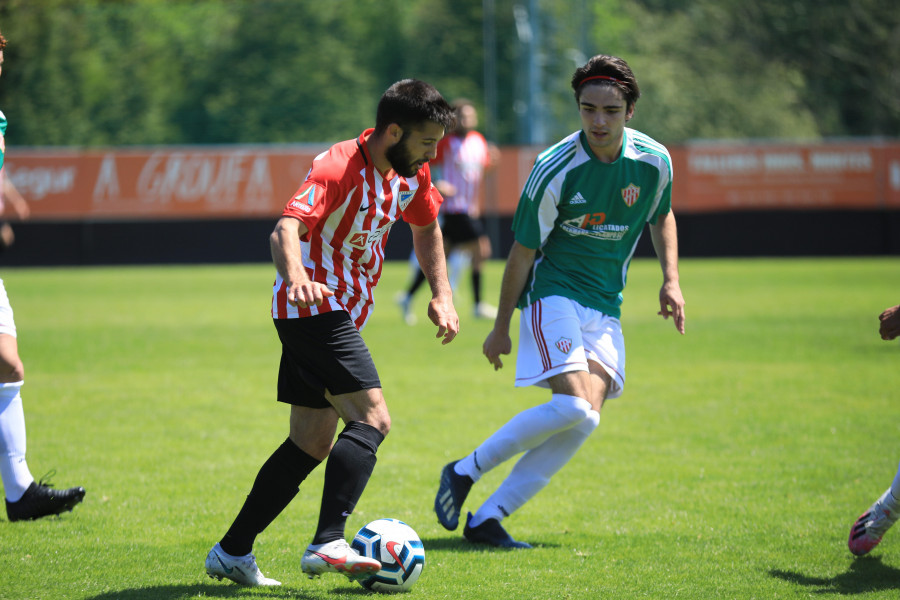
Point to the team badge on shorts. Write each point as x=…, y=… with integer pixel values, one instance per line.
x=564, y=345
x=630, y=194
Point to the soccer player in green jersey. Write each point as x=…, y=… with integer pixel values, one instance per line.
x=576, y=228
x=26, y=499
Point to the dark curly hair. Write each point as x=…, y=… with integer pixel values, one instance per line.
x=607, y=70
x=411, y=102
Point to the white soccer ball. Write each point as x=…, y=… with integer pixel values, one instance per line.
x=399, y=549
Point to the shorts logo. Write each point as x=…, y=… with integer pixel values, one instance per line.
x=564, y=345
x=630, y=194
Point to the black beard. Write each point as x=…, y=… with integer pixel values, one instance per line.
x=401, y=159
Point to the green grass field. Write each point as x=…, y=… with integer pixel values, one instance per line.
x=732, y=467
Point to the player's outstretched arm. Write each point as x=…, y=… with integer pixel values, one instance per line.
x=518, y=265
x=14, y=198
x=665, y=242
x=429, y=246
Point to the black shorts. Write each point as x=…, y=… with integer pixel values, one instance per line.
x=319, y=353
x=461, y=228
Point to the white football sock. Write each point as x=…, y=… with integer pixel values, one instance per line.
x=895, y=487
x=13, y=468
x=533, y=471
x=527, y=430
x=456, y=264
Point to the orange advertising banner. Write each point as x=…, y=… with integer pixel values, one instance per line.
x=166, y=183
x=750, y=176
x=781, y=176
x=257, y=181
x=503, y=185
x=892, y=178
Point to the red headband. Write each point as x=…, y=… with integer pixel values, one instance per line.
x=604, y=77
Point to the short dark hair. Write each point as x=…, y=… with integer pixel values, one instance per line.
x=410, y=103
x=608, y=70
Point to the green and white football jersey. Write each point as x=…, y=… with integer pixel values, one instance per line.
x=585, y=217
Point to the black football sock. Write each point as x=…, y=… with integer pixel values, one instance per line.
x=347, y=472
x=276, y=485
x=476, y=286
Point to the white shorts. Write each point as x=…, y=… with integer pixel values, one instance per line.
x=558, y=335
x=7, y=324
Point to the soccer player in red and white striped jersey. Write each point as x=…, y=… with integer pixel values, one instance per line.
x=328, y=250
x=347, y=207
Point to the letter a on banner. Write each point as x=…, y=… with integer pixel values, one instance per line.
x=107, y=185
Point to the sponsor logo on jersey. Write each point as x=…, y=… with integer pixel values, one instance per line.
x=631, y=194
x=564, y=345
x=405, y=198
x=594, y=225
x=366, y=239
x=301, y=206
x=304, y=202
x=577, y=199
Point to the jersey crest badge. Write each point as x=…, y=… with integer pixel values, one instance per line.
x=630, y=194
x=405, y=198
x=564, y=345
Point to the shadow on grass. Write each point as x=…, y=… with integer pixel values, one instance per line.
x=866, y=574
x=213, y=590
x=460, y=544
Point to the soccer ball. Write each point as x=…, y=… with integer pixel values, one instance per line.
x=397, y=547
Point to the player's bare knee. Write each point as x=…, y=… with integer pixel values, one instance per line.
x=11, y=367
x=380, y=420
x=12, y=371
x=317, y=446
x=385, y=425
x=376, y=412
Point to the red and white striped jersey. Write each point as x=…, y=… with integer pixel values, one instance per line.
x=462, y=161
x=349, y=208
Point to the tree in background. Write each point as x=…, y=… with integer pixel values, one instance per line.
x=91, y=72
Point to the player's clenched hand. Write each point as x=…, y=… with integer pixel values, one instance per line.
x=443, y=314
x=890, y=323
x=671, y=304
x=495, y=344
x=307, y=293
